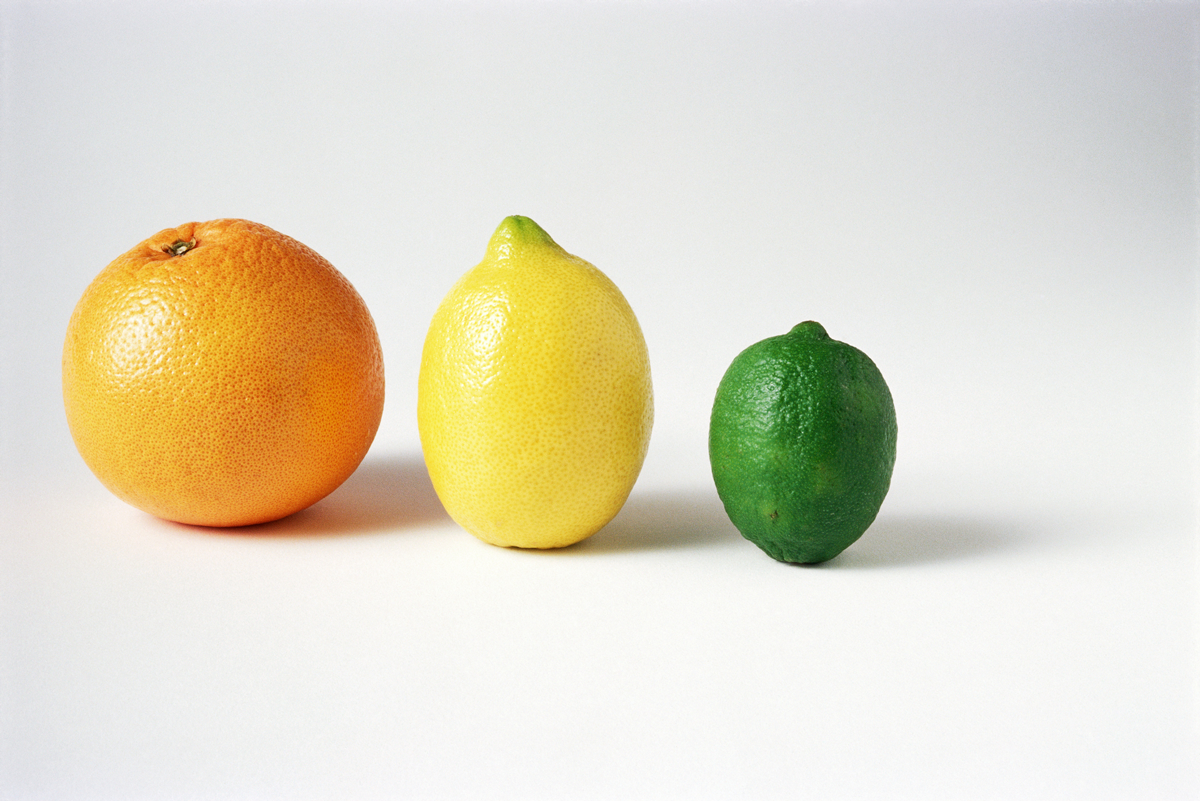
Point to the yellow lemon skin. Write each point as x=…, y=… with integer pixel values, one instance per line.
x=534, y=398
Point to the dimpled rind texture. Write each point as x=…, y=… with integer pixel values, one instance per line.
x=233, y=384
x=535, y=403
x=802, y=444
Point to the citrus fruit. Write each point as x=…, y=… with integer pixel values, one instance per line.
x=802, y=442
x=534, y=401
x=222, y=374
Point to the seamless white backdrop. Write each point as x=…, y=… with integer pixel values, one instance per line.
x=996, y=201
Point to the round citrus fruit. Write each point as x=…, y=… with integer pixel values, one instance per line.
x=802, y=442
x=534, y=402
x=222, y=374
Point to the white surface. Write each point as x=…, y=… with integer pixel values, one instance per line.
x=996, y=202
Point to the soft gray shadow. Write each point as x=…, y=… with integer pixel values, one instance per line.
x=384, y=493
x=655, y=520
x=895, y=540
x=697, y=519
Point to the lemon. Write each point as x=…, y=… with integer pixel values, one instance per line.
x=802, y=442
x=534, y=398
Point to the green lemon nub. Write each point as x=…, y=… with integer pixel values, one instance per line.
x=802, y=442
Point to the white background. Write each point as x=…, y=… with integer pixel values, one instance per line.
x=996, y=201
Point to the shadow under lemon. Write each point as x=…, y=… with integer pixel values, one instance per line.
x=664, y=519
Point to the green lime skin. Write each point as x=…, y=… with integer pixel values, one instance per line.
x=802, y=442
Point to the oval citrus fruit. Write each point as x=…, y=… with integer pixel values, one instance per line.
x=222, y=374
x=534, y=402
x=802, y=442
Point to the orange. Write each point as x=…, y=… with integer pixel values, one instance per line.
x=222, y=374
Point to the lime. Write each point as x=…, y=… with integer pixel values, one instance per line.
x=802, y=442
